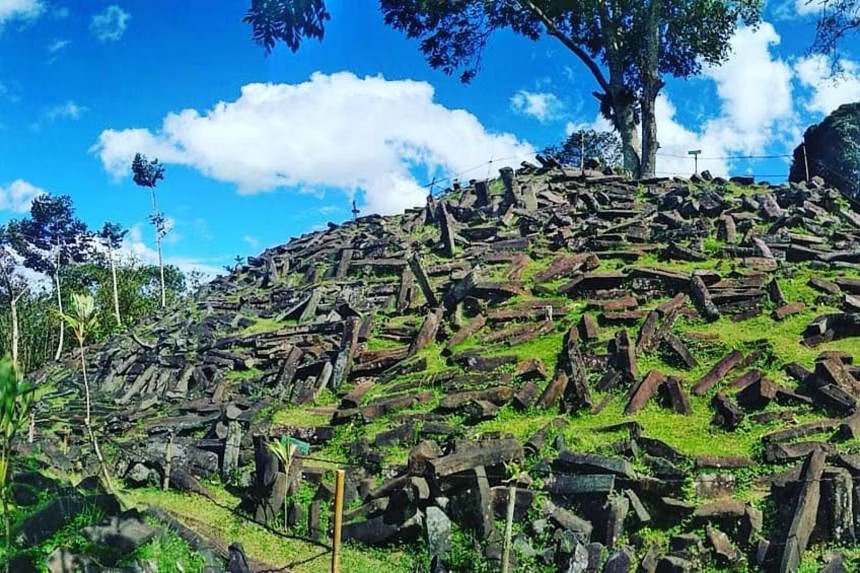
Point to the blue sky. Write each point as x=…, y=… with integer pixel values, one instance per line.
x=260, y=149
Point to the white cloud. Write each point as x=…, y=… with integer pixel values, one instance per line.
x=755, y=91
x=22, y=10
x=66, y=110
x=829, y=91
x=57, y=45
x=251, y=241
x=539, y=105
x=109, y=25
x=18, y=195
x=333, y=131
x=133, y=246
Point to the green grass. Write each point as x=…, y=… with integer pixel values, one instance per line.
x=167, y=551
x=382, y=344
x=266, y=325
x=247, y=374
x=299, y=416
x=215, y=520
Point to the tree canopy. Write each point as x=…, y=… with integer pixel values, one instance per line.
x=51, y=236
x=627, y=46
x=832, y=151
x=582, y=145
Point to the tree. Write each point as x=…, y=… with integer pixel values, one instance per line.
x=13, y=289
x=49, y=239
x=147, y=174
x=138, y=290
x=627, y=46
x=138, y=287
x=111, y=236
x=831, y=149
x=81, y=320
x=836, y=20
x=16, y=399
x=587, y=144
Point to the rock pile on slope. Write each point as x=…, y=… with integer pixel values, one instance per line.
x=544, y=295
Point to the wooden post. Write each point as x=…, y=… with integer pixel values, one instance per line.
x=805, y=161
x=338, y=520
x=168, y=460
x=509, y=527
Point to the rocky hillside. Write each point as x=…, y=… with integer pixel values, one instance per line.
x=663, y=369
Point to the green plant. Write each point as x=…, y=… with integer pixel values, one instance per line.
x=284, y=452
x=16, y=399
x=81, y=319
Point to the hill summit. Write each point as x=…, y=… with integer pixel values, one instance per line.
x=662, y=369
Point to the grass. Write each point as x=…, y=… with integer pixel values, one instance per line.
x=167, y=551
x=247, y=374
x=266, y=325
x=299, y=416
x=216, y=520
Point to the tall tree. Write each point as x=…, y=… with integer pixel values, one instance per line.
x=147, y=174
x=837, y=20
x=831, y=150
x=583, y=144
x=111, y=236
x=13, y=289
x=51, y=237
x=628, y=46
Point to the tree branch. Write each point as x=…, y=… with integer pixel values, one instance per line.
x=553, y=30
x=20, y=294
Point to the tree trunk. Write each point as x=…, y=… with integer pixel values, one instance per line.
x=115, y=290
x=624, y=121
x=60, y=307
x=88, y=422
x=650, y=145
x=161, y=270
x=159, y=226
x=616, y=100
x=620, y=107
x=651, y=86
x=13, y=307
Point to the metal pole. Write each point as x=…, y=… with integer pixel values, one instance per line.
x=338, y=520
x=509, y=527
x=805, y=161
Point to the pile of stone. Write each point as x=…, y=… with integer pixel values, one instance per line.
x=504, y=264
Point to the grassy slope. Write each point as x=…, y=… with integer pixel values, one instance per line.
x=215, y=520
